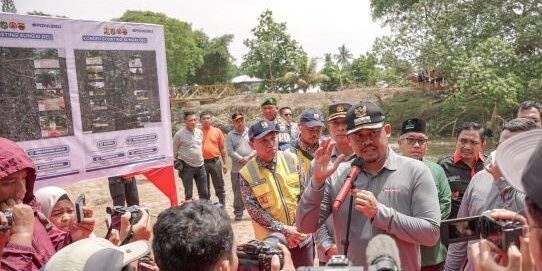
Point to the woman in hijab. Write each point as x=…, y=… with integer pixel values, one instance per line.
x=57, y=206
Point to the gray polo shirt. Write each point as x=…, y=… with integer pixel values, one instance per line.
x=187, y=146
x=481, y=195
x=238, y=147
x=408, y=211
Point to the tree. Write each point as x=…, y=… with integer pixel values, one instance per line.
x=9, y=6
x=218, y=64
x=363, y=70
x=305, y=75
x=330, y=70
x=272, y=52
x=343, y=57
x=184, y=57
x=489, y=51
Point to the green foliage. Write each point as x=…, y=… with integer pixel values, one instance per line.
x=184, y=57
x=488, y=51
x=304, y=76
x=9, y=6
x=343, y=57
x=218, y=64
x=272, y=52
x=363, y=70
x=330, y=70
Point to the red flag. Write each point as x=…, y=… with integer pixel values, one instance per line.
x=164, y=179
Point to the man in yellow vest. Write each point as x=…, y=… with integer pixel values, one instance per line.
x=271, y=185
x=311, y=125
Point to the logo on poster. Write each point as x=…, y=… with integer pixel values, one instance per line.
x=12, y=25
x=115, y=31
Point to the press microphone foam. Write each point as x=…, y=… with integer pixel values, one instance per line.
x=382, y=253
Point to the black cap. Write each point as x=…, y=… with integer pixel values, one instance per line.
x=311, y=118
x=413, y=125
x=364, y=115
x=337, y=110
x=261, y=128
x=236, y=115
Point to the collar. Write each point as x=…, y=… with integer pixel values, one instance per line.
x=457, y=157
x=240, y=133
x=269, y=165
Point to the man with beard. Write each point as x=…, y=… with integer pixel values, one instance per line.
x=392, y=194
x=466, y=161
x=310, y=126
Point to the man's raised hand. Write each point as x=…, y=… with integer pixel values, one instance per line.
x=323, y=167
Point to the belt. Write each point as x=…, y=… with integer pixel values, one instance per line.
x=210, y=160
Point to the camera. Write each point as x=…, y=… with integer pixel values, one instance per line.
x=136, y=212
x=502, y=233
x=9, y=218
x=256, y=255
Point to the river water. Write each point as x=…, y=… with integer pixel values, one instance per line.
x=439, y=148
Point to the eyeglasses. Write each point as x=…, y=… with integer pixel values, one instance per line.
x=372, y=134
x=288, y=114
x=412, y=141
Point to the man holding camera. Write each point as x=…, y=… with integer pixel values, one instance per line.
x=392, y=194
x=271, y=184
x=524, y=173
x=488, y=190
x=199, y=236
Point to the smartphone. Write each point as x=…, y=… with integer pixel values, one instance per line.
x=460, y=229
x=79, y=204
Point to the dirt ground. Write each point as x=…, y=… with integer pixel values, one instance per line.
x=98, y=198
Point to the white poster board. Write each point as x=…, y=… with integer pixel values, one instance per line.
x=84, y=99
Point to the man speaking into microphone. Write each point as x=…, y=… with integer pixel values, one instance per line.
x=392, y=194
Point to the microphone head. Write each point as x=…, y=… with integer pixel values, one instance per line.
x=357, y=162
x=382, y=252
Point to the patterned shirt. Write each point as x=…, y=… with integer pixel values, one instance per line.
x=252, y=206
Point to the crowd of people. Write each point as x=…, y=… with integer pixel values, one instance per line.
x=291, y=180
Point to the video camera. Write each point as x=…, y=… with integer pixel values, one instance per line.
x=9, y=218
x=502, y=233
x=136, y=212
x=256, y=255
x=339, y=262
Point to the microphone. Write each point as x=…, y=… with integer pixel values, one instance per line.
x=347, y=185
x=382, y=254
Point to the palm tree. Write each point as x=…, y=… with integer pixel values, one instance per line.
x=343, y=57
x=343, y=60
x=305, y=75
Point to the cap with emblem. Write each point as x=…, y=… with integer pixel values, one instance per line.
x=267, y=100
x=364, y=115
x=413, y=125
x=337, y=110
x=261, y=128
x=519, y=159
x=311, y=117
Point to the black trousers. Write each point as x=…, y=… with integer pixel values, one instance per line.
x=123, y=191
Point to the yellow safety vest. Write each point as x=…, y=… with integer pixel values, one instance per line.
x=276, y=193
x=304, y=160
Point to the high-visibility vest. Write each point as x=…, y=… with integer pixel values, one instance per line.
x=303, y=159
x=277, y=193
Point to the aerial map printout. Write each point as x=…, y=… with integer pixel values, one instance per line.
x=84, y=99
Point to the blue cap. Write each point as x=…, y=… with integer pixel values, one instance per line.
x=261, y=128
x=311, y=117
